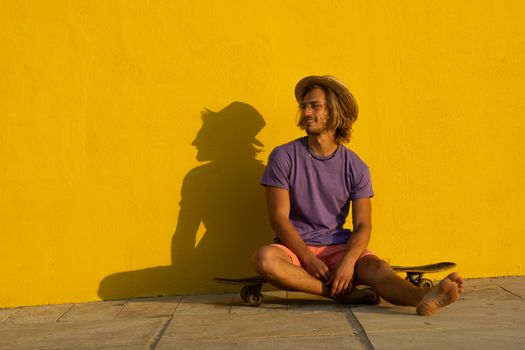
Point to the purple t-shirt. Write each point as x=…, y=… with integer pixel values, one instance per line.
x=320, y=189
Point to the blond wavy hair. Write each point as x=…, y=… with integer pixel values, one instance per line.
x=340, y=119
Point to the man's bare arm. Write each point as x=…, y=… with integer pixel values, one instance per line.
x=362, y=227
x=278, y=202
x=357, y=243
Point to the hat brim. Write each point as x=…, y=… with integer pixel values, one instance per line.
x=329, y=82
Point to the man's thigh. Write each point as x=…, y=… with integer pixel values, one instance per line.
x=286, y=253
x=331, y=255
x=274, y=253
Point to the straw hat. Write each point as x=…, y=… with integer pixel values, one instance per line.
x=329, y=82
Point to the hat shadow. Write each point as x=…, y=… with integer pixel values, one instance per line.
x=222, y=216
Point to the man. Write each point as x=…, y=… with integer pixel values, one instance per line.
x=311, y=184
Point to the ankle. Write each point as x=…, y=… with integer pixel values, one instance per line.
x=326, y=291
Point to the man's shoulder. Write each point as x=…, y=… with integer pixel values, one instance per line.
x=352, y=157
x=292, y=144
x=288, y=147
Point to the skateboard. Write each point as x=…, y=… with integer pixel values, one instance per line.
x=251, y=290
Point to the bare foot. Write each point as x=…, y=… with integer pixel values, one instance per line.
x=448, y=291
x=366, y=296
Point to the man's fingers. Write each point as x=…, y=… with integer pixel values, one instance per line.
x=323, y=273
x=318, y=269
x=336, y=289
x=339, y=287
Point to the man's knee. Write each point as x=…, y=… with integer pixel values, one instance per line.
x=266, y=259
x=380, y=267
x=371, y=268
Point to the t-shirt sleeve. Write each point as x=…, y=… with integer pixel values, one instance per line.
x=362, y=185
x=277, y=173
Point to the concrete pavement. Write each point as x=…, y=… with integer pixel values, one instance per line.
x=490, y=314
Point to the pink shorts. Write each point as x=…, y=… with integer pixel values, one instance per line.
x=331, y=255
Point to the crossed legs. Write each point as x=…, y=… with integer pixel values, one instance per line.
x=276, y=266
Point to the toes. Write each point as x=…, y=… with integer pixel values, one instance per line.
x=454, y=276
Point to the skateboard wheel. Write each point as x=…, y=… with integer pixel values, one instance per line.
x=411, y=280
x=425, y=283
x=244, y=293
x=255, y=299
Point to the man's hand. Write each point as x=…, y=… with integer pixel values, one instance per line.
x=341, y=280
x=361, y=217
x=317, y=268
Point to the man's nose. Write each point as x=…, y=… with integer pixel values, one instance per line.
x=307, y=110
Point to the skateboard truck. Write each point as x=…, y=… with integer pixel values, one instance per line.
x=416, y=278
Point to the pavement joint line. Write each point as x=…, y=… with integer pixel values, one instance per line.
x=177, y=306
x=122, y=308
x=359, y=330
x=509, y=291
x=8, y=317
x=231, y=303
x=65, y=313
x=154, y=341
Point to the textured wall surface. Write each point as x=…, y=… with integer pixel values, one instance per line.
x=113, y=185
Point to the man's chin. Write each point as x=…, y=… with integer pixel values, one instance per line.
x=312, y=131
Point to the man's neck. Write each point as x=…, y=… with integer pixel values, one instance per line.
x=322, y=145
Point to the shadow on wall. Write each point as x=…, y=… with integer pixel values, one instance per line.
x=222, y=196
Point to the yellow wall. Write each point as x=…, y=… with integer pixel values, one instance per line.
x=100, y=102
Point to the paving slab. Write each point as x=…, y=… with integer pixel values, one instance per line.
x=486, y=289
x=515, y=285
x=459, y=314
x=96, y=311
x=484, y=314
x=142, y=308
x=463, y=338
x=257, y=325
x=39, y=314
x=127, y=333
x=205, y=304
x=290, y=343
x=304, y=301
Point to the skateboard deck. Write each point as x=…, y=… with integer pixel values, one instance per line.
x=251, y=290
x=253, y=280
